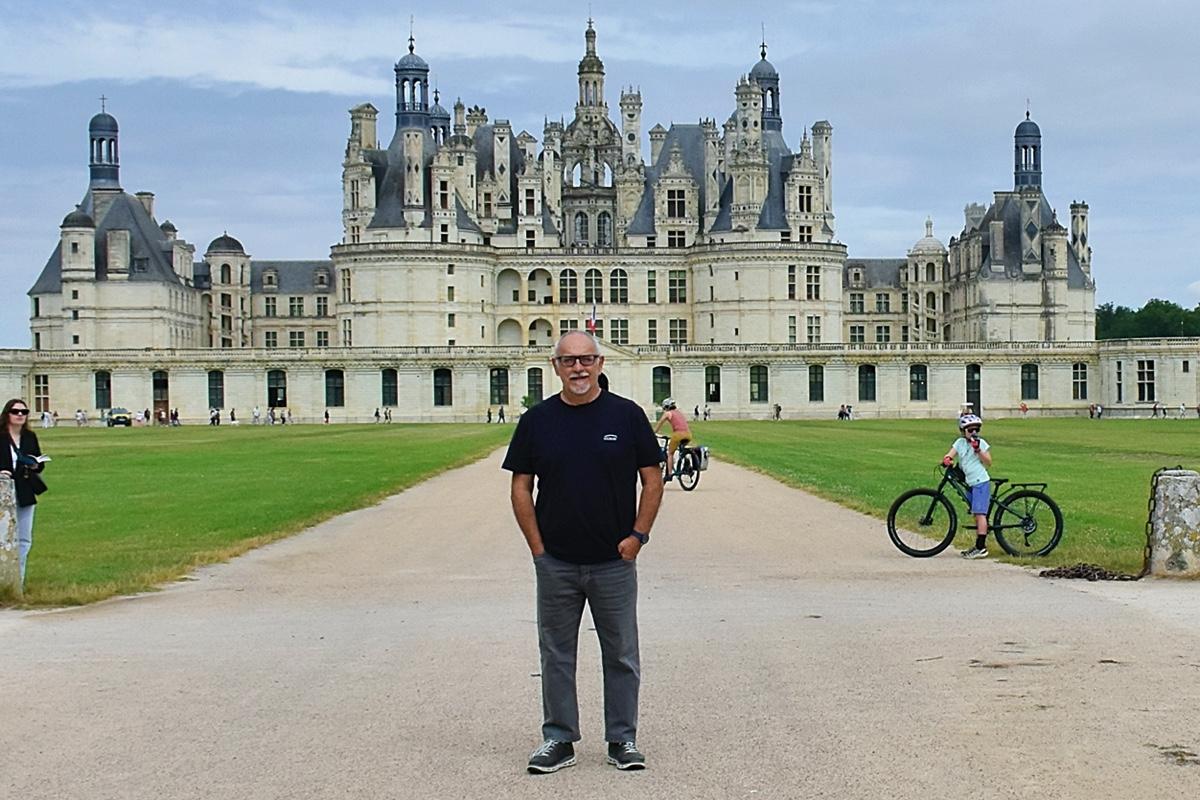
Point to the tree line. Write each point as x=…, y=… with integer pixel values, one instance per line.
x=1158, y=318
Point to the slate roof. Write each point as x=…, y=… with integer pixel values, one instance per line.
x=1008, y=210
x=294, y=277
x=877, y=273
x=690, y=141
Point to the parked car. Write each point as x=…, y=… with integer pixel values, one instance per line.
x=120, y=416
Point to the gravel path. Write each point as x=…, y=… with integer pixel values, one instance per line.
x=788, y=651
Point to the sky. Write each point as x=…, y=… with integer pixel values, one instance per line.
x=236, y=114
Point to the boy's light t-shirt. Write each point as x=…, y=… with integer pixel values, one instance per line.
x=968, y=459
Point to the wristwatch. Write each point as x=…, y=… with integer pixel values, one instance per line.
x=641, y=537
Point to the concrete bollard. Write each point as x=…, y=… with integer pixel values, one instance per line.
x=1175, y=525
x=10, y=557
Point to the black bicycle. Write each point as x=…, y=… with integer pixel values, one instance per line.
x=922, y=522
x=687, y=464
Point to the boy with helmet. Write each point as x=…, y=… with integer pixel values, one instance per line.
x=680, y=433
x=974, y=457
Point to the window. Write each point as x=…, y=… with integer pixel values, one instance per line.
x=270, y=278
x=346, y=286
x=226, y=274
x=1079, y=381
x=269, y=306
x=322, y=338
x=619, y=331
x=581, y=228
x=883, y=302
x=487, y=204
x=226, y=301
x=450, y=294
x=930, y=273
x=904, y=302
x=651, y=287
x=322, y=306
x=598, y=328
x=216, y=389
x=103, y=390
x=531, y=238
x=791, y=329
x=41, y=393
x=1029, y=381
x=354, y=195
x=904, y=333
x=1186, y=367
x=677, y=286
x=856, y=303
x=712, y=384
x=619, y=286
x=295, y=338
x=676, y=239
x=651, y=331
x=335, y=388
x=498, y=386
x=593, y=286
x=74, y=314
x=355, y=234
x=270, y=339
x=565, y=325
x=812, y=324
x=930, y=302
x=804, y=204
x=758, y=383
x=534, y=385
x=791, y=281
x=1120, y=385
x=651, y=241
x=883, y=334
x=604, y=236
x=677, y=329
x=676, y=203
x=660, y=384
x=816, y=384
x=866, y=383
x=930, y=328
x=857, y=334
x=37, y=304
x=295, y=306
x=812, y=283
x=160, y=385
x=449, y=269
x=918, y=382
x=805, y=233
x=1145, y=381
x=568, y=286
x=347, y=333
x=530, y=202
x=276, y=389
x=451, y=319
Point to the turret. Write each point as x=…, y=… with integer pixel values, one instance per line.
x=78, y=238
x=748, y=115
x=631, y=127
x=1079, y=235
x=104, y=159
x=591, y=103
x=1027, y=154
x=822, y=134
x=658, y=135
x=767, y=78
x=412, y=90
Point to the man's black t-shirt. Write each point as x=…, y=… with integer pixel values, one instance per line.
x=586, y=459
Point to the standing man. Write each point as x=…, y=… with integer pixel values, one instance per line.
x=587, y=448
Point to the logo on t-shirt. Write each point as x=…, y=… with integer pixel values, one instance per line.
x=610, y=437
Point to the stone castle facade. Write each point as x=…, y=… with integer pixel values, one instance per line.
x=469, y=248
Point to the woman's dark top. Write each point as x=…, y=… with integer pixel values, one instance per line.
x=20, y=472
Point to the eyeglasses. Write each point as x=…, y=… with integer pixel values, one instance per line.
x=570, y=361
x=972, y=430
x=19, y=411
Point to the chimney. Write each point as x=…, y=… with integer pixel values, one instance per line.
x=147, y=201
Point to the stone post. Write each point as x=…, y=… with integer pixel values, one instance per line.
x=1175, y=525
x=10, y=560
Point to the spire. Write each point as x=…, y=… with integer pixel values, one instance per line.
x=763, y=51
x=412, y=43
x=929, y=226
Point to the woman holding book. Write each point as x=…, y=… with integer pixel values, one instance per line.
x=22, y=461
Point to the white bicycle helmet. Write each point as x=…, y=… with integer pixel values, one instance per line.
x=967, y=420
x=668, y=404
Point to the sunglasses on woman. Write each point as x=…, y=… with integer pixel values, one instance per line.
x=19, y=411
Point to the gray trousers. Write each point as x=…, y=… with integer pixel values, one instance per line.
x=610, y=590
x=24, y=536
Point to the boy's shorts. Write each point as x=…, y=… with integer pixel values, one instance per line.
x=981, y=497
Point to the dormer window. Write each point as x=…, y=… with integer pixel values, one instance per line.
x=270, y=278
x=322, y=279
x=856, y=277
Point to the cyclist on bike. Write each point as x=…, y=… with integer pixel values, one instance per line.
x=974, y=457
x=680, y=433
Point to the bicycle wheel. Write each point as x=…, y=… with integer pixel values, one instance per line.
x=689, y=470
x=922, y=523
x=1027, y=523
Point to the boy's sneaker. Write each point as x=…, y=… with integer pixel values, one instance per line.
x=625, y=755
x=552, y=756
x=975, y=552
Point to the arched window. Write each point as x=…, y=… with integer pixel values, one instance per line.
x=619, y=286
x=816, y=384
x=161, y=386
x=534, y=385
x=568, y=286
x=930, y=272
x=216, y=388
x=443, y=387
x=930, y=302
x=593, y=286
x=276, y=389
x=1079, y=381
x=390, y=383
x=226, y=276
x=606, y=174
x=335, y=388
x=712, y=384
x=661, y=384
x=758, y=384
x=1029, y=381
x=866, y=383
x=498, y=384
x=581, y=228
x=103, y=390
x=604, y=236
x=918, y=382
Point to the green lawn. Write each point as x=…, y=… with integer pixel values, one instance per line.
x=129, y=509
x=1098, y=472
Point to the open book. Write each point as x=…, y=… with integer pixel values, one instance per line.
x=41, y=459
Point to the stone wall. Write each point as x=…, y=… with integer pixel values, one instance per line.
x=1175, y=525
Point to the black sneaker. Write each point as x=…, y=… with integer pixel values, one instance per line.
x=551, y=757
x=625, y=755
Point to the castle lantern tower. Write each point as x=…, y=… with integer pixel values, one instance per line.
x=1027, y=154
x=767, y=78
x=591, y=81
x=631, y=127
x=104, y=158
x=412, y=90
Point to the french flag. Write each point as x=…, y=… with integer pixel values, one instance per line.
x=591, y=323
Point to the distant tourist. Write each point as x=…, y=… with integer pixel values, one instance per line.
x=387, y=415
x=696, y=414
x=489, y=415
x=233, y=416
x=842, y=413
x=378, y=416
x=256, y=416
x=500, y=415
x=707, y=412
x=1099, y=411
x=327, y=416
x=20, y=461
